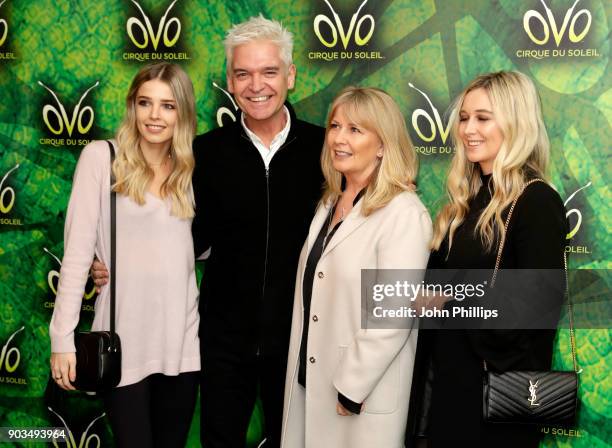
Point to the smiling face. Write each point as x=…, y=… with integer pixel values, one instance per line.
x=479, y=131
x=259, y=81
x=353, y=148
x=156, y=113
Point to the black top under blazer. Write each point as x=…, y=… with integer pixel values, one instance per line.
x=255, y=221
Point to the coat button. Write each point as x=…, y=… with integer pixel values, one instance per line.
x=320, y=274
x=315, y=318
x=312, y=360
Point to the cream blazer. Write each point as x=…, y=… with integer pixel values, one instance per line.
x=369, y=366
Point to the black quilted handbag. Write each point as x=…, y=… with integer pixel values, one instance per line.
x=531, y=397
x=98, y=353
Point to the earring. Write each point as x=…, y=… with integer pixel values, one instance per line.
x=379, y=155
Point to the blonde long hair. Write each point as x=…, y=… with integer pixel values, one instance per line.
x=132, y=172
x=522, y=155
x=376, y=111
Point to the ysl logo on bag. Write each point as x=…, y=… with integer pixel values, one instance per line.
x=532, y=390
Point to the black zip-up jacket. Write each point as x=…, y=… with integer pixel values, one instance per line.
x=255, y=220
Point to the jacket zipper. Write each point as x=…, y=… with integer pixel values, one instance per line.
x=263, y=283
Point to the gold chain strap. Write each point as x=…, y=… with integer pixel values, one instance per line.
x=571, y=317
x=498, y=260
x=506, y=224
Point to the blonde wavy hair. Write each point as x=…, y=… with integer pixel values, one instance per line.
x=132, y=172
x=377, y=112
x=523, y=155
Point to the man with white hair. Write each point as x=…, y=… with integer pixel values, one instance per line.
x=256, y=184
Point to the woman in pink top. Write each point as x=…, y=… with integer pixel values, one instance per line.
x=156, y=292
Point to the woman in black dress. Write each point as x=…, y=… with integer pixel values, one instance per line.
x=501, y=144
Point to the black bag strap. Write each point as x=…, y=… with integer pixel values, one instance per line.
x=113, y=254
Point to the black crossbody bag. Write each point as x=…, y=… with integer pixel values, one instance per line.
x=98, y=353
x=531, y=397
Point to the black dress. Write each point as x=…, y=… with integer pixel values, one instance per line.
x=535, y=240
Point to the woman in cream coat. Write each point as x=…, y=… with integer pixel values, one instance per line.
x=347, y=386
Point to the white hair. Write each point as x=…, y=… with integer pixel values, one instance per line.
x=259, y=28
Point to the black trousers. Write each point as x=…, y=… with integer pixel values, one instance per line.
x=228, y=393
x=155, y=412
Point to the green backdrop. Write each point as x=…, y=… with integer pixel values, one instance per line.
x=65, y=66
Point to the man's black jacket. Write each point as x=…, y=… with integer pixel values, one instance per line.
x=255, y=220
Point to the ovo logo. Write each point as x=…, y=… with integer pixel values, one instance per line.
x=78, y=115
x=435, y=123
x=224, y=111
x=3, y=27
x=6, y=204
x=569, y=25
x=163, y=29
x=9, y=358
x=85, y=440
x=576, y=212
x=337, y=28
x=53, y=278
